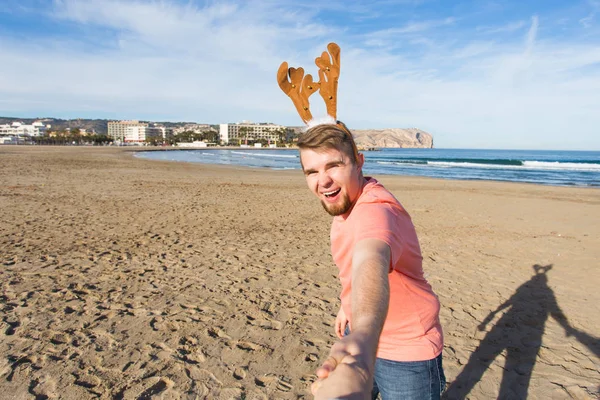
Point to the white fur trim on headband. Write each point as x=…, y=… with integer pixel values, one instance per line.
x=328, y=120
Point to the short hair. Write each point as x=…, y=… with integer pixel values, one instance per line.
x=330, y=136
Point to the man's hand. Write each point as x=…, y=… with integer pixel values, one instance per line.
x=347, y=372
x=341, y=321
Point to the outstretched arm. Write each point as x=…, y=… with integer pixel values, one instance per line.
x=348, y=372
x=491, y=315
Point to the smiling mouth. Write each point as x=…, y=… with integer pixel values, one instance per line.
x=332, y=193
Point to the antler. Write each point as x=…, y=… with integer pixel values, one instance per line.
x=298, y=87
x=329, y=72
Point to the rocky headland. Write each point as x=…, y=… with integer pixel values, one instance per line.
x=394, y=137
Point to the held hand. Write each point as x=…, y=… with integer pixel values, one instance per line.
x=347, y=372
x=570, y=331
x=486, y=321
x=340, y=323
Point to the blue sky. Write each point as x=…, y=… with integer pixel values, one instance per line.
x=475, y=74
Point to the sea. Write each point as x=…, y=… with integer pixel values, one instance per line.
x=545, y=167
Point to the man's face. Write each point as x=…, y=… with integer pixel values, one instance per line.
x=333, y=178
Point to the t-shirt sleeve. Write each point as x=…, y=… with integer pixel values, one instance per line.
x=376, y=221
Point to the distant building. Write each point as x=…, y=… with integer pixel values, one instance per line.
x=135, y=134
x=193, y=144
x=86, y=132
x=124, y=131
x=196, y=128
x=158, y=131
x=243, y=132
x=17, y=131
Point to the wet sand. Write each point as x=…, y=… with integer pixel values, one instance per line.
x=125, y=278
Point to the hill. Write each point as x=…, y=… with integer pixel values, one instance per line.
x=394, y=137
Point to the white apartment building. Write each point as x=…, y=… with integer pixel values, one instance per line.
x=131, y=130
x=135, y=134
x=241, y=132
x=12, y=133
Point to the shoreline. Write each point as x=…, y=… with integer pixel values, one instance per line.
x=123, y=276
x=127, y=149
x=590, y=186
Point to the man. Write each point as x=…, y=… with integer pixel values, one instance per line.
x=388, y=323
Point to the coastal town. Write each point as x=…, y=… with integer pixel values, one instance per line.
x=134, y=132
x=188, y=134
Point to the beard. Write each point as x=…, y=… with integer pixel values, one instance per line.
x=339, y=208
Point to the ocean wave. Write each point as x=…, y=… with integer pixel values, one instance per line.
x=452, y=164
x=526, y=165
x=557, y=165
x=401, y=162
x=265, y=154
x=495, y=164
x=481, y=161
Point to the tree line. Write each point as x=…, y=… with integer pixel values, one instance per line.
x=74, y=136
x=71, y=137
x=185, y=137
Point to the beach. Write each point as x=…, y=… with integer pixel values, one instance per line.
x=125, y=278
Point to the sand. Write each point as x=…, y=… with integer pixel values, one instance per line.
x=125, y=278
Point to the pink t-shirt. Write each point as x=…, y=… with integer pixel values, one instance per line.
x=412, y=330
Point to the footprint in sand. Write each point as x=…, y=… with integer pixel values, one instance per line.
x=88, y=381
x=256, y=396
x=190, y=351
x=147, y=389
x=239, y=373
x=5, y=367
x=317, y=343
x=10, y=325
x=204, y=380
x=264, y=323
x=248, y=346
x=280, y=383
x=44, y=388
x=217, y=333
x=231, y=394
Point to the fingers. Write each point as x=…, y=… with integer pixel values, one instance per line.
x=338, y=328
x=327, y=366
x=336, y=355
x=315, y=386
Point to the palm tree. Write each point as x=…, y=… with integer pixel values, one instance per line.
x=244, y=130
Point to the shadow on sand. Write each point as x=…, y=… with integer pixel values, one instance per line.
x=519, y=331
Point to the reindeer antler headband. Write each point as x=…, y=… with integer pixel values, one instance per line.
x=299, y=87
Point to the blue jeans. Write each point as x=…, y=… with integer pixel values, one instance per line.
x=408, y=380
x=411, y=380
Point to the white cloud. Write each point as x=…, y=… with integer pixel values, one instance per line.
x=507, y=28
x=160, y=60
x=532, y=33
x=391, y=34
x=588, y=21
